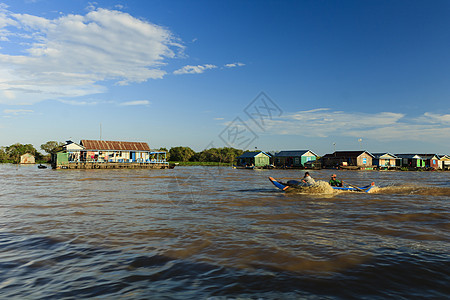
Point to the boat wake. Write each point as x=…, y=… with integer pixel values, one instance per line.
x=320, y=187
x=412, y=190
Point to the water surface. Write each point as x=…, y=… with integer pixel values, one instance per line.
x=218, y=233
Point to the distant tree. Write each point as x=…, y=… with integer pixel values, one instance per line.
x=181, y=153
x=14, y=151
x=225, y=155
x=51, y=146
x=3, y=155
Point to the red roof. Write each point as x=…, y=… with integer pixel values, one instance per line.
x=114, y=145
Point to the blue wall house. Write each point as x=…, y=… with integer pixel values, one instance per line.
x=294, y=158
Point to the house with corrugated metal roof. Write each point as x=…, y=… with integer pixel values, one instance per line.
x=431, y=160
x=294, y=158
x=106, y=154
x=411, y=160
x=348, y=159
x=444, y=162
x=257, y=159
x=386, y=160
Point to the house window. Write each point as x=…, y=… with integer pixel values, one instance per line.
x=364, y=160
x=308, y=158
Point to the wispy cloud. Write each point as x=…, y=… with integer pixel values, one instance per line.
x=194, y=69
x=435, y=118
x=382, y=126
x=70, y=56
x=135, y=103
x=234, y=65
x=17, y=112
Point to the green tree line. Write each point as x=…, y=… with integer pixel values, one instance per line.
x=12, y=153
x=219, y=155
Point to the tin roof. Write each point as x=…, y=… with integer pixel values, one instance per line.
x=347, y=154
x=293, y=153
x=429, y=156
x=408, y=155
x=385, y=154
x=252, y=154
x=114, y=145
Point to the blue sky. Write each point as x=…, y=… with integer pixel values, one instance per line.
x=276, y=75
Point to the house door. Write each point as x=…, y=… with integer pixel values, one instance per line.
x=133, y=156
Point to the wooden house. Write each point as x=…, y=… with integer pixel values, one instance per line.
x=107, y=154
x=294, y=159
x=348, y=159
x=254, y=159
x=27, y=158
x=444, y=162
x=411, y=160
x=431, y=160
x=386, y=160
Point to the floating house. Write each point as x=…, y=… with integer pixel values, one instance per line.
x=386, y=160
x=348, y=159
x=294, y=158
x=444, y=162
x=27, y=158
x=258, y=159
x=411, y=160
x=96, y=154
x=431, y=160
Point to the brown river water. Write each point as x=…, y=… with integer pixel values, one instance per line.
x=221, y=233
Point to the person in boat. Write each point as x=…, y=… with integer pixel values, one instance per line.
x=334, y=182
x=307, y=179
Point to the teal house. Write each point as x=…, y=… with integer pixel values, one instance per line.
x=294, y=159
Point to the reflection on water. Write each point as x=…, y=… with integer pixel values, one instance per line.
x=200, y=232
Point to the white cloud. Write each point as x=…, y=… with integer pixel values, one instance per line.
x=17, y=112
x=134, y=103
x=234, y=65
x=70, y=56
x=435, y=118
x=194, y=69
x=383, y=126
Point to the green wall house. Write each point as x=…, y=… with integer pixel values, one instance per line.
x=60, y=159
x=254, y=159
x=411, y=160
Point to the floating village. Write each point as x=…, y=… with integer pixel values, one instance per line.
x=349, y=160
x=99, y=154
